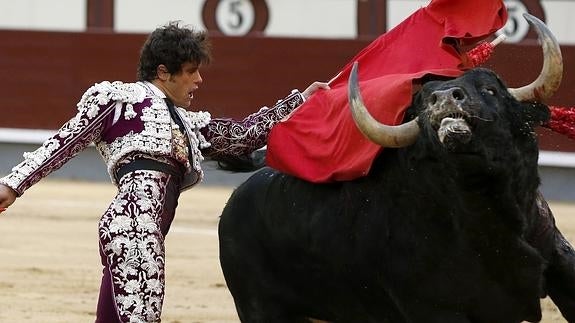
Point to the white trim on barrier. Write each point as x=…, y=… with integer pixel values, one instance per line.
x=556, y=159
x=25, y=136
x=38, y=136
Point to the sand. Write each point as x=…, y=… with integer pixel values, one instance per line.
x=50, y=268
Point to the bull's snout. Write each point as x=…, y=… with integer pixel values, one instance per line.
x=448, y=117
x=454, y=95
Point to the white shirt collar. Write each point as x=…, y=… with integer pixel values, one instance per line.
x=155, y=89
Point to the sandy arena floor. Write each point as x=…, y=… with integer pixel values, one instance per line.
x=50, y=269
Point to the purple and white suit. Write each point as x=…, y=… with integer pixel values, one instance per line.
x=130, y=124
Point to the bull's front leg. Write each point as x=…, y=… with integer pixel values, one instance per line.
x=560, y=274
x=560, y=277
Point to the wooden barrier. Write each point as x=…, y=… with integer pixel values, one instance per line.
x=44, y=74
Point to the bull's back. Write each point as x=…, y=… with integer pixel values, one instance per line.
x=252, y=210
x=251, y=198
x=272, y=203
x=281, y=247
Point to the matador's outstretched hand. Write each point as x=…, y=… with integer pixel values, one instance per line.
x=312, y=88
x=7, y=197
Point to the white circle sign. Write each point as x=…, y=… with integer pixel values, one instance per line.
x=235, y=17
x=516, y=27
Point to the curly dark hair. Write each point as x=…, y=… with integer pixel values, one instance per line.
x=172, y=46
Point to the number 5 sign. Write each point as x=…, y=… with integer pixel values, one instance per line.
x=517, y=28
x=235, y=17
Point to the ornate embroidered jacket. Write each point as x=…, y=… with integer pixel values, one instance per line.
x=123, y=119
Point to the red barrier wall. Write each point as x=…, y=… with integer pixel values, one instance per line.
x=44, y=74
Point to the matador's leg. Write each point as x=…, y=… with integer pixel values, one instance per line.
x=132, y=246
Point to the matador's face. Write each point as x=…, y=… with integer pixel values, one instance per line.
x=179, y=87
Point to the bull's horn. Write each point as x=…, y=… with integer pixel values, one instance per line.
x=549, y=79
x=383, y=135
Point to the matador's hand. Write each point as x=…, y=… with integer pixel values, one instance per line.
x=312, y=88
x=7, y=197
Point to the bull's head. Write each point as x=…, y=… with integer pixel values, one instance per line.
x=446, y=103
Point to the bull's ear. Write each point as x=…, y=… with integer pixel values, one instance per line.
x=534, y=113
x=413, y=111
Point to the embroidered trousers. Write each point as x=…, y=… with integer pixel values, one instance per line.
x=131, y=234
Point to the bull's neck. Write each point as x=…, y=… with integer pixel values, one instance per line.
x=499, y=189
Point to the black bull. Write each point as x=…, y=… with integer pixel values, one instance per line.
x=452, y=232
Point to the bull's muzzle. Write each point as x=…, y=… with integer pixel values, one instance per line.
x=448, y=116
x=453, y=132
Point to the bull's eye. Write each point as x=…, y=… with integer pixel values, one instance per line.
x=489, y=90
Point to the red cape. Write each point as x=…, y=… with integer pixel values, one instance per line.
x=320, y=141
